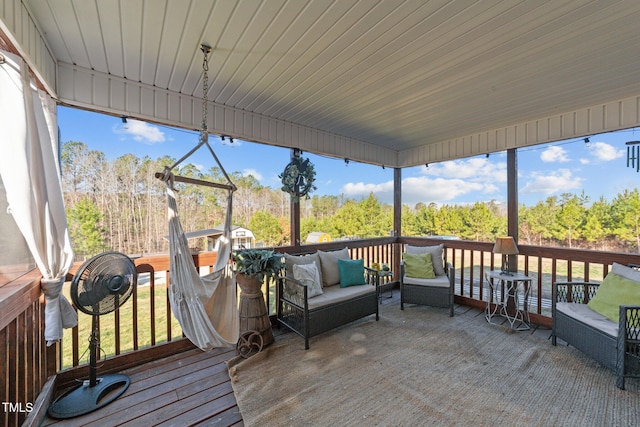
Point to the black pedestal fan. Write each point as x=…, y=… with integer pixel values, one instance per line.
x=101, y=285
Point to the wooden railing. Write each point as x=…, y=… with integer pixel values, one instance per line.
x=145, y=330
x=145, y=320
x=27, y=362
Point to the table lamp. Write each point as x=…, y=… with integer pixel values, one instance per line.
x=505, y=246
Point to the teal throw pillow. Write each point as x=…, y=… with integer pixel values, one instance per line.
x=418, y=266
x=613, y=292
x=351, y=272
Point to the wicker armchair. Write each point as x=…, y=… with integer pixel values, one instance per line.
x=436, y=292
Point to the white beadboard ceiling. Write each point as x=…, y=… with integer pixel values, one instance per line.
x=382, y=81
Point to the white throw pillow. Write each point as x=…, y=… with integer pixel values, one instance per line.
x=291, y=260
x=308, y=275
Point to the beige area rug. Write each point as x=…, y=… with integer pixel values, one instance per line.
x=421, y=367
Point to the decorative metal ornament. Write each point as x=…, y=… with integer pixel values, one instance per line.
x=249, y=343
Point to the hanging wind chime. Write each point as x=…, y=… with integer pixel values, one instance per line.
x=633, y=155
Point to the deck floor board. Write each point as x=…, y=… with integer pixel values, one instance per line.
x=192, y=385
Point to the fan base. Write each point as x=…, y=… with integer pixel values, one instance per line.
x=85, y=398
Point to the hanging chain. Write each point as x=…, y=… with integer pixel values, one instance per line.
x=204, y=134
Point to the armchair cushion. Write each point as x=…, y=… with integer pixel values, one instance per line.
x=329, y=271
x=419, y=266
x=308, y=275
x=613, y=292
x=436, y=256
x=351, y=272
x=437, y=282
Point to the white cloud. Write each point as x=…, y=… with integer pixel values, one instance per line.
x=605, y=152
x=383, y=191
x=257, y=175
x=477, y=169
x=554, y=154
x=547, y=183
x=144, y=132
x=419, y=189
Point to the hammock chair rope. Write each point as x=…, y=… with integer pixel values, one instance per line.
x=205, y=306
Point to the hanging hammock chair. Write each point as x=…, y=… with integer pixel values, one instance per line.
x=205, y=306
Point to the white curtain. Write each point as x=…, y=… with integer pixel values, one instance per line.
x=205, y=306
x=29, y=170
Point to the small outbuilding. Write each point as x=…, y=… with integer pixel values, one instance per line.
x=240, y=237
x=318, y=237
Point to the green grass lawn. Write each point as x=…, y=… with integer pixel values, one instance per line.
x=150, y=327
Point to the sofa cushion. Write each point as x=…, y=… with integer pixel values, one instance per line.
x=308, y=275
x=586, y=315
x=613, y=292
x=329, y=272
x=291, y=260
x=351, y=272
x=436, y=256
x=419, y=266
x=438, y=281
x=335, y=294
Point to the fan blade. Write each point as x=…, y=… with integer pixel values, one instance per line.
x=118, y=284
x=90, y=298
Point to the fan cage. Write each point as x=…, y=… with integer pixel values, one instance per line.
x=103, y=283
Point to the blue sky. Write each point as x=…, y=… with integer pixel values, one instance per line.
x=598, y=168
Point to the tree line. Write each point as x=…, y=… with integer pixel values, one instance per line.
x=120, y=205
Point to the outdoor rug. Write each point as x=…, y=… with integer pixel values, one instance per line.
x=421, y=367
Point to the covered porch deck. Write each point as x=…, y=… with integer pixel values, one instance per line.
x=193, y=388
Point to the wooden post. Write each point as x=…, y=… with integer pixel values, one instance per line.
x=397, y=221
x=295, y=215
x=512, y=203
x=512, y=216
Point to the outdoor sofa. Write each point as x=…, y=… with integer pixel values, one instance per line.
x=347, y=293
x=612, y=339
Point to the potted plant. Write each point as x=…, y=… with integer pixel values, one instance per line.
x=252, y=266
x=257, y=263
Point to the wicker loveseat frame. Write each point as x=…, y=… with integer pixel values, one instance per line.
x=294, y=312
x=620, y=353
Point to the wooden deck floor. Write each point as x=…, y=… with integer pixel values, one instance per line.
x=192, y=389
x=188, y=389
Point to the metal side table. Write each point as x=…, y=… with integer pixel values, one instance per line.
x=508, y=298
